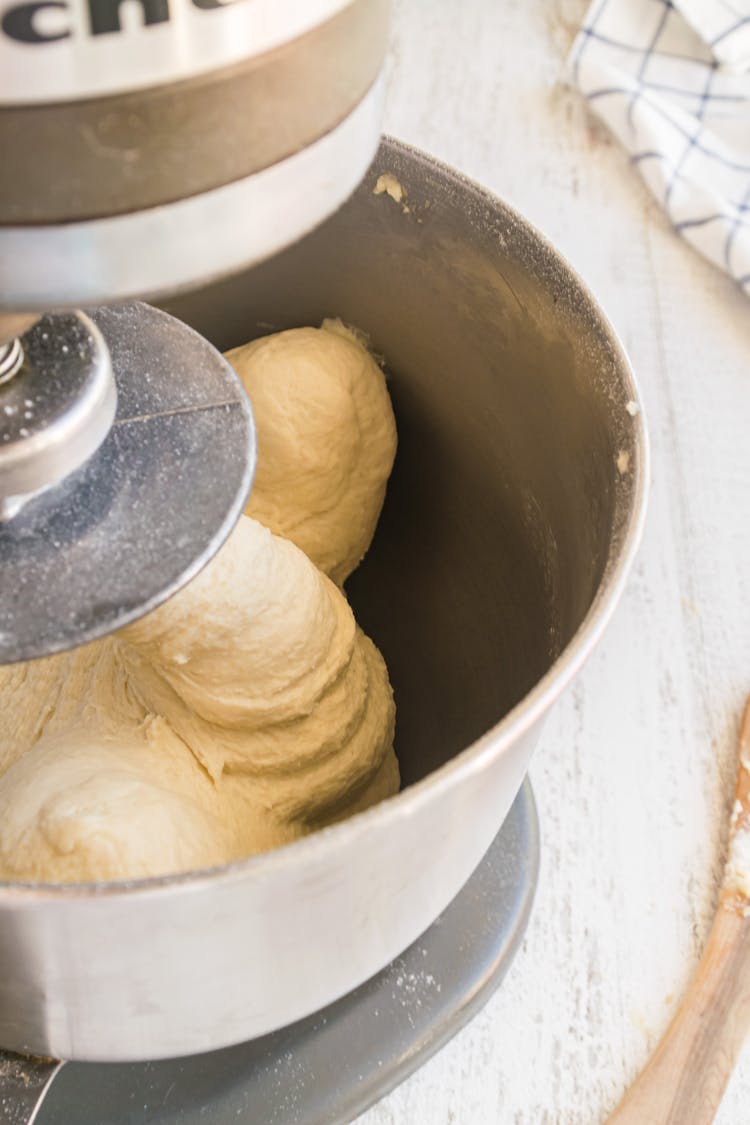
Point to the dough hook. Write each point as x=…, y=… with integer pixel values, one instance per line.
x=127, y=449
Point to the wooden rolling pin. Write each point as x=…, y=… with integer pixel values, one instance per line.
x=685, y=1079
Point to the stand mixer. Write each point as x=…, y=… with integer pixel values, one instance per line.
x=147, y=148
x=508, y=384
x=143, y=171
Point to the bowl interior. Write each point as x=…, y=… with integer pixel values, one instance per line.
x=515, y=475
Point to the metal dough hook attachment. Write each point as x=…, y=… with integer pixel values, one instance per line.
x=127, y=450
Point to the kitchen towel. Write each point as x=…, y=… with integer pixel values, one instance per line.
x=671, y=79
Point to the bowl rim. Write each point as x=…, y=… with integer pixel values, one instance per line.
x=514, y=724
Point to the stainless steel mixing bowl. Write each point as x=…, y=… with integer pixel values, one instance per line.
x=511, y=521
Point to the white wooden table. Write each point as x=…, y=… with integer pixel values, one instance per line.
x=634, y=776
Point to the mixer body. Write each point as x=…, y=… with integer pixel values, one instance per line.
x=197, y=137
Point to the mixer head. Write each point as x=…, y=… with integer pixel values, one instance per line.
x=153, y=145
x=148, y=151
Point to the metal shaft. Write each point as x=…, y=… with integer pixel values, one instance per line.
x=57, y=404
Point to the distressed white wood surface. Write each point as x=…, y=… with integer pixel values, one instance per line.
x=635, y=772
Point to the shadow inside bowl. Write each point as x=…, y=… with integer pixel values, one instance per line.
x=506, y=503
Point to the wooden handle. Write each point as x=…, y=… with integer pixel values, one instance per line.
x=685, y=1079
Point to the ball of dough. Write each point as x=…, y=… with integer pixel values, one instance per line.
x=269, y=679
x=249, y=709
x=83, y=689
x=256, y=638
x=326, y=441
x=81, y=808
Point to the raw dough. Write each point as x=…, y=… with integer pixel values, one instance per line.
x=245, y=712
x=269, y=680
x=326, y=440
x=81, y=807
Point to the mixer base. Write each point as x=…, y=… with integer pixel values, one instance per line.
x=333, y=1065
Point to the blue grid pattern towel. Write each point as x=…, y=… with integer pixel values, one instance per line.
x=672, y=81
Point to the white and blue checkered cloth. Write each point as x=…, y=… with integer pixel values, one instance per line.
x=671, y=79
